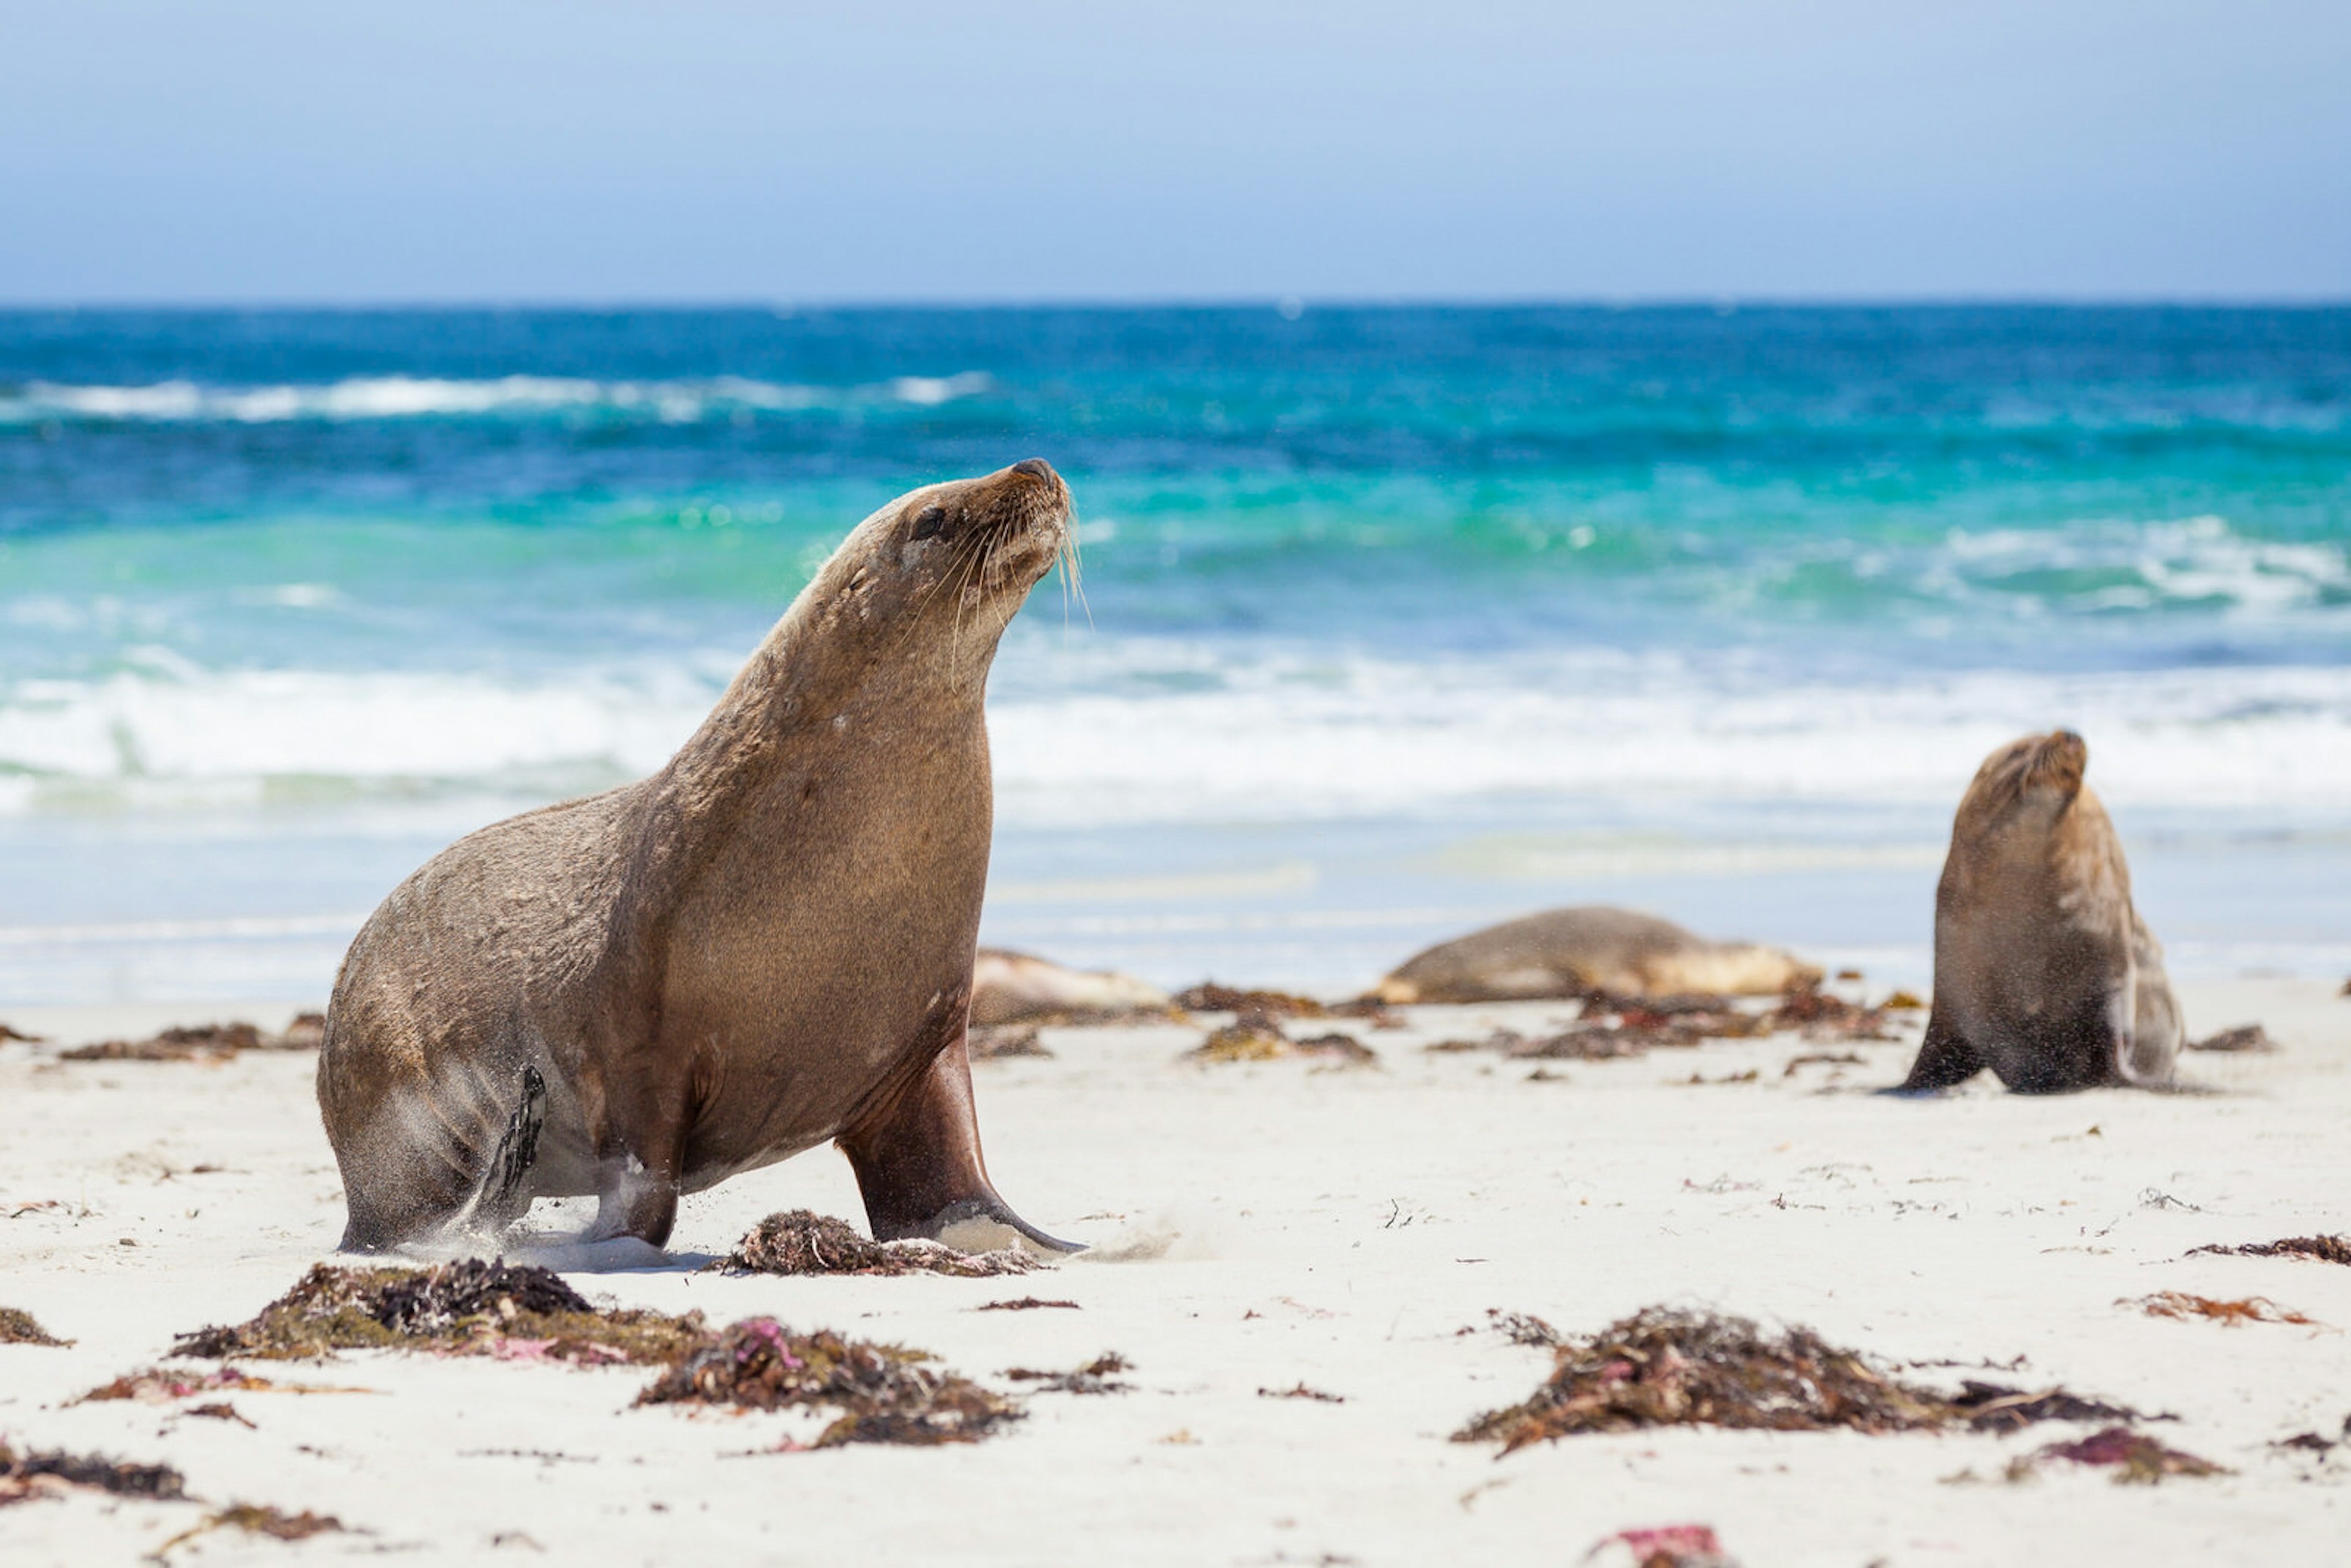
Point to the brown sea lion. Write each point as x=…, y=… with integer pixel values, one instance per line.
x=1568, y=952
x=765, y=944
x=1015, y=987
x=2044, y=972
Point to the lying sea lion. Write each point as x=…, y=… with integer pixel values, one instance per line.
x=1014, y=987
x=765, y=944
x=1568, y=952
x=2044, y=972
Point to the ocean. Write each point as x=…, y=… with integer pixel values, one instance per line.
x=1392, y=621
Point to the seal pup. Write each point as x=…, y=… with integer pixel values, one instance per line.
x=1014, y=987
x=2044, y=971
x=765, y=944
x=1568, y=952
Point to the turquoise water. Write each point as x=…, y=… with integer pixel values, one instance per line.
x=1392, y=620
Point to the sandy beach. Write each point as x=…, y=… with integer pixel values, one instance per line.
x=1259, y=1227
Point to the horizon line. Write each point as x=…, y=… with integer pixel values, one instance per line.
x=1284, y=303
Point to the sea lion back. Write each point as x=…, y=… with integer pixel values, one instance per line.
x=1565, y=952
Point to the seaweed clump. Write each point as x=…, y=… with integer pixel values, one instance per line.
x=2183, y=1306
x=1255, y=1035
x=156, y=1386
x=1208, y=997
x=205, y=1043
x=1609, y=1026
x=2137, y=1457
x=1662, y=1367
x=44, y=1473
x=2318, y=1249
x=465, y=1307
x=798, y=1241
x=1099, y=1375
x=886, y=1394
x=1995, y=1407
x=1665, y=1546
x=255, y=1519
x=2251, y=1037
x=19, y=1327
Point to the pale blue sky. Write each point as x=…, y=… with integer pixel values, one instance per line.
x=320, y=151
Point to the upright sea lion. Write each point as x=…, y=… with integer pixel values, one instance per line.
x=1567, y=952
x=2044, y=971
x=765, y=944
x=1012, y=988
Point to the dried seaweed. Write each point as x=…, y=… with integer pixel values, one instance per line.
x=8, y=1034
x=2141, y=1459
x=1300, y=1391
x=1025, y=1304
x=2319, y=1248
x=1995, y=1407
x=1096, y=1376
x=993, y=1042
x=1822, y=1059
x=1336, y=1047
x=1610, y=1026
x=1665, y=1367
x=221, y=1410
x=1595, y=1041
x=886, y=1394
x=798, y=1241
x=1255, y=1036
x=1252, y=1037
x=1666, y=1546
x=38, y=1473
x=1208, y=997
x=256, y=1520
x=206, y=1043
x=18, y=1327
x=1522, y=1328
x=1819, y=1014
x=2250, y=1037
x=466, y=1308
x=158, y=1385
x=2181, y=1305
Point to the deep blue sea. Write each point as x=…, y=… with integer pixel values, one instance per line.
x=1392, y=620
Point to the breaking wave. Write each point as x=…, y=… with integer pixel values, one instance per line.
x=415, y=397
x=1106, y=732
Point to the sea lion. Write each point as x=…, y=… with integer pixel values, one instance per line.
x=2044, y=971
x=1568, y=952
x=1017, y=988
x=765, y=944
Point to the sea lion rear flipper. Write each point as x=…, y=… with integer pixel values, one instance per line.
x=920, y=1171
x=1944, y=1060
x=502, y=1194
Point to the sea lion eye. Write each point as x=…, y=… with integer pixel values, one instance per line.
x=931, y=520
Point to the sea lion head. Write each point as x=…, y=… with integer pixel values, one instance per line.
x=957, y=557
x=2024, y=788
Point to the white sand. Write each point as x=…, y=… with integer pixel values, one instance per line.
x=1348, y=1229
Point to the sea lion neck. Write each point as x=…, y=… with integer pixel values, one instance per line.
x=793, y=702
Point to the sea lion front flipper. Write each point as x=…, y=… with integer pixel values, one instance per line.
x=920, y=1170
x=1944, y=1060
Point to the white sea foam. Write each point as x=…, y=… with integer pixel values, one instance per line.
x=2193, y=561
x=1095, y=730
x=411, y=397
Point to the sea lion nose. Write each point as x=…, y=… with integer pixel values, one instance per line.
x=1035, y=468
